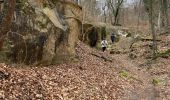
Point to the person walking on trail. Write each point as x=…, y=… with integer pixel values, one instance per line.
x=112, y=37
x=104, y=44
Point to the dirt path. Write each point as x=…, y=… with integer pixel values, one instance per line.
x=145, y=90
x=142, y=87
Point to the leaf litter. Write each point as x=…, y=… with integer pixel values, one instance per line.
x=92, y=78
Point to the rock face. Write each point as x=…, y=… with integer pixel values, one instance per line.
x=47, y=31
x=60, y=45
x=125, y=41
x=91, y=34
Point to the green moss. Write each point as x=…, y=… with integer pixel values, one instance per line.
x=41, y=24
x=2, y=56
x=127, y=75
x=20, y=4
x=124, y=74
x=6, y=51
x=98, y=46
x=129, y=35
x=156, y=81
x=165, y=54
x=103, y=33
x=117, y=38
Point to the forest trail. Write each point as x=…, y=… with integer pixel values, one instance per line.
x=90, y=77
x=145, y=90
x=142, y=81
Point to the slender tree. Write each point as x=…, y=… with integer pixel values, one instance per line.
x=6, y=21
x=165, y=11
x=149, y=8
x=104, y=10
x=114, y=6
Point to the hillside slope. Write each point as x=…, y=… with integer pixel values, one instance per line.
x=94, y=76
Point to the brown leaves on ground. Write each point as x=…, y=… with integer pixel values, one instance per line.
x=92, y=78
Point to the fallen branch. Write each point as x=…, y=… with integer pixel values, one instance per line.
x=4, y=75
x=148, y=39
x=102, y=57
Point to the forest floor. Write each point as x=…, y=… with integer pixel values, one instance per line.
x=94, y=76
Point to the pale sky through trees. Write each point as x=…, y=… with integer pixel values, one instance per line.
x=101, y=3
x=128, y=1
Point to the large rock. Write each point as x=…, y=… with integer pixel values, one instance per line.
x=125, y=42
x=60, y=45
x=47, y=31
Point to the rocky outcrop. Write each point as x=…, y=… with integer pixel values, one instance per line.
x=60, y=45
x=124, y=41
x=47, y=31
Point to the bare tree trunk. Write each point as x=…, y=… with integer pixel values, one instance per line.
x=104, y=9
x=115, y=7
x=151, y=20
x=165, y=7
x=110, y=12
x=6, y=22
x=149, y=8
x=159, y=20
x=116, y=16
x=123, y=19
x=111, y=19
x=104, y=16
x=139, y=14
x=82, y=26
x=163, y=21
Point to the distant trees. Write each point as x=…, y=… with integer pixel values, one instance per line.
x=91, y=10
x=114, y=6
x=163, y=21
x=157, y=8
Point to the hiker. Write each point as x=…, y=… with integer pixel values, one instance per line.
x=104, y=44
x=112, y=37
